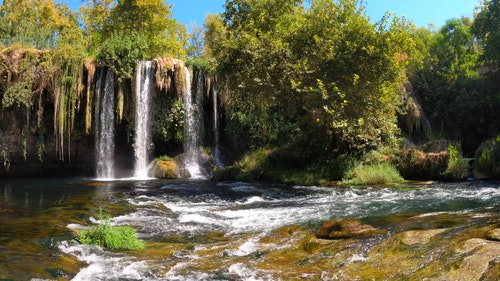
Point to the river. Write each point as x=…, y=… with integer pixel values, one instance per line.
x=205, y=230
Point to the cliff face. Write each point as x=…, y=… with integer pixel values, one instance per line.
x=48, y=116
x=31, y=151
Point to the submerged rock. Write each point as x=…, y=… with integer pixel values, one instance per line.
x=413, y=237
x=345, y=229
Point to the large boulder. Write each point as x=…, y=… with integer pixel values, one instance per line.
x=165, y=169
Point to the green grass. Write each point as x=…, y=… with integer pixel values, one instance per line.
x=373, y=174
x=164, y=158
x=111, y=237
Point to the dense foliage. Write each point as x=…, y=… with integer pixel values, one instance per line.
x=303, y=85
x=320, y=78
x=51, y=54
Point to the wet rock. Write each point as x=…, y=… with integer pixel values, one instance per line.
x=166, y=169
x=345, y=229
x=494, y=234
x=481, y=256
x=422, y=237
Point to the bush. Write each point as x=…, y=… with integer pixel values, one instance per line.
x=111, y=237
x=457, y=166
x=488, y=158
x=380, y=173
x=417, y=165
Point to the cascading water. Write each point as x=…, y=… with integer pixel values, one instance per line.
x=192, y=126
x=105, y=122
x=216, y=152
x=143, y=86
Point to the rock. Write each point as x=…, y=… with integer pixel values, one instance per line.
x=421, y=237
x=345, y=229
x=494, y=234
x=482, y=256
x=166, y=169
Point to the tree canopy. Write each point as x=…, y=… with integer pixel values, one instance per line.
x=320, y=72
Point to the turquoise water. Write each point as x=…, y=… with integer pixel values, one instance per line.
x=38, y=220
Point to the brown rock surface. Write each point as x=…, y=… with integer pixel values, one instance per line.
x=345, y=229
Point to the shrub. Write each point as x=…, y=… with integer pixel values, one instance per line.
x=457, y=166
x=488, y=158
x=418, y=165
x=111, y=237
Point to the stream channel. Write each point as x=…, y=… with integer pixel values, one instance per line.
x=207, y=230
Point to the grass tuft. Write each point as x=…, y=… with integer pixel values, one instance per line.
x=111, y=237
x=373, y=174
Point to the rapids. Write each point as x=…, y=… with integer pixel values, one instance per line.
x=204, y=230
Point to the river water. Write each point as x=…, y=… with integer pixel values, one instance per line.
x=196, y=229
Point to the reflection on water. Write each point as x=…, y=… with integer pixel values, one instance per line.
x=186, y=222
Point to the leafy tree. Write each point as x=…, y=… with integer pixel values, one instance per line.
x=321, y=74
x=152, y=19
x=94, y=16
x=122, y=50
x=459, y=102
x=34, y=23
x=486, y=28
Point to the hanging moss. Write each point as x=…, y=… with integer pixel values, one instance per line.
x=164, y=70
x=90, y=66
x=168, y=69
x=180, y=79
x=119, y=102
x=67, y=91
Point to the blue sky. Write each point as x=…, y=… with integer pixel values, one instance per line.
x=421, y=12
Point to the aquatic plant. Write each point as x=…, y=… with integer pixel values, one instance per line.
x=111, y=237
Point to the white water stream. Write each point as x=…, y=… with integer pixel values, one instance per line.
x=142, y=143
x=193, y=126
x=105, y=122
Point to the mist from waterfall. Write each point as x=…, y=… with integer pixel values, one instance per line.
x=142, y=144
x=105, y=125
x=193, y=126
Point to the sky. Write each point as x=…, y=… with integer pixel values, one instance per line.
x=421, y=12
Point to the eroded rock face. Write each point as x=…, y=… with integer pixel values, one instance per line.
x=345, y=229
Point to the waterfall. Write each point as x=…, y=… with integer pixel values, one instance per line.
x=192, y=126
x=216, y=152
x=143, y=86
x=105, y=122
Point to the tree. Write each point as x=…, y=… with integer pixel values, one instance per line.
x=486, y=28
x=94, y=16
x=458, y=101
x=152, y=20
x=322, y=74
x=35, y=23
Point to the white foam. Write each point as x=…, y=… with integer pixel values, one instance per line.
x=242, y=271
x=104, y=265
